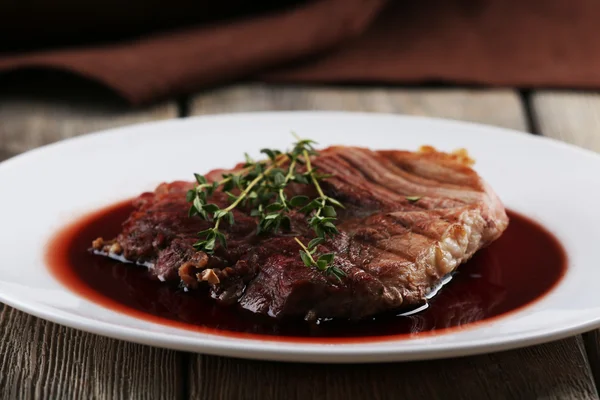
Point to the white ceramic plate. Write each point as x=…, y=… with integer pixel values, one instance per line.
x=41, y=191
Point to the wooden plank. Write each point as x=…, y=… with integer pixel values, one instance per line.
x=29, y=120
x=492, y=107
x=43, y=360
x=591, y=341
x=39, y=359
x=4, y=154
x=572, y=117
x=554, y=370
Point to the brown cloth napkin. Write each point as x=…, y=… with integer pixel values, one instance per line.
x=533, y=43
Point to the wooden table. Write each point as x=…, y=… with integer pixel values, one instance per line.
x=39, y=359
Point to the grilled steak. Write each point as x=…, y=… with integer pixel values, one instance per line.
x=410, y=219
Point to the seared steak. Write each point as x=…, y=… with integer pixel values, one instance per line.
x=411, y=218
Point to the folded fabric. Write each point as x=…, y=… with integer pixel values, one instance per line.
x=534, y=43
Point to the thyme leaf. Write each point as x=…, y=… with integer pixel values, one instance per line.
x=263, y=184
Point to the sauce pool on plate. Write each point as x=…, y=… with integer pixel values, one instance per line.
x=524, y=264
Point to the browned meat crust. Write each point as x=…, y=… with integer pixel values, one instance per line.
x=393, y=250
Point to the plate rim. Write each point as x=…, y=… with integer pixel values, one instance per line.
x=335, y=354
x=342, y=353
x=321, y=113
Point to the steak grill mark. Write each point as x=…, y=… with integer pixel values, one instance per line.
x=393, y=250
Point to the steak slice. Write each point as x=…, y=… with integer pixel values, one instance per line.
x=410, y=219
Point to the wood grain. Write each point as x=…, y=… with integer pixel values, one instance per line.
x=554, y=370
x=573, y=117
x=495, y=107
x=591, y=341
x=29, y=119
x=43, y=360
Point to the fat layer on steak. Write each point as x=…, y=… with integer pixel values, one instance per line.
x=393, y=249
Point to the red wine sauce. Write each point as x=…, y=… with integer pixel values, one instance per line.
x=517, y=269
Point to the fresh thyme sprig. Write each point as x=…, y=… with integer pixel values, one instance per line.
x=323, y=262
x=324, y=215
x=199, y=195
x=262, y=185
